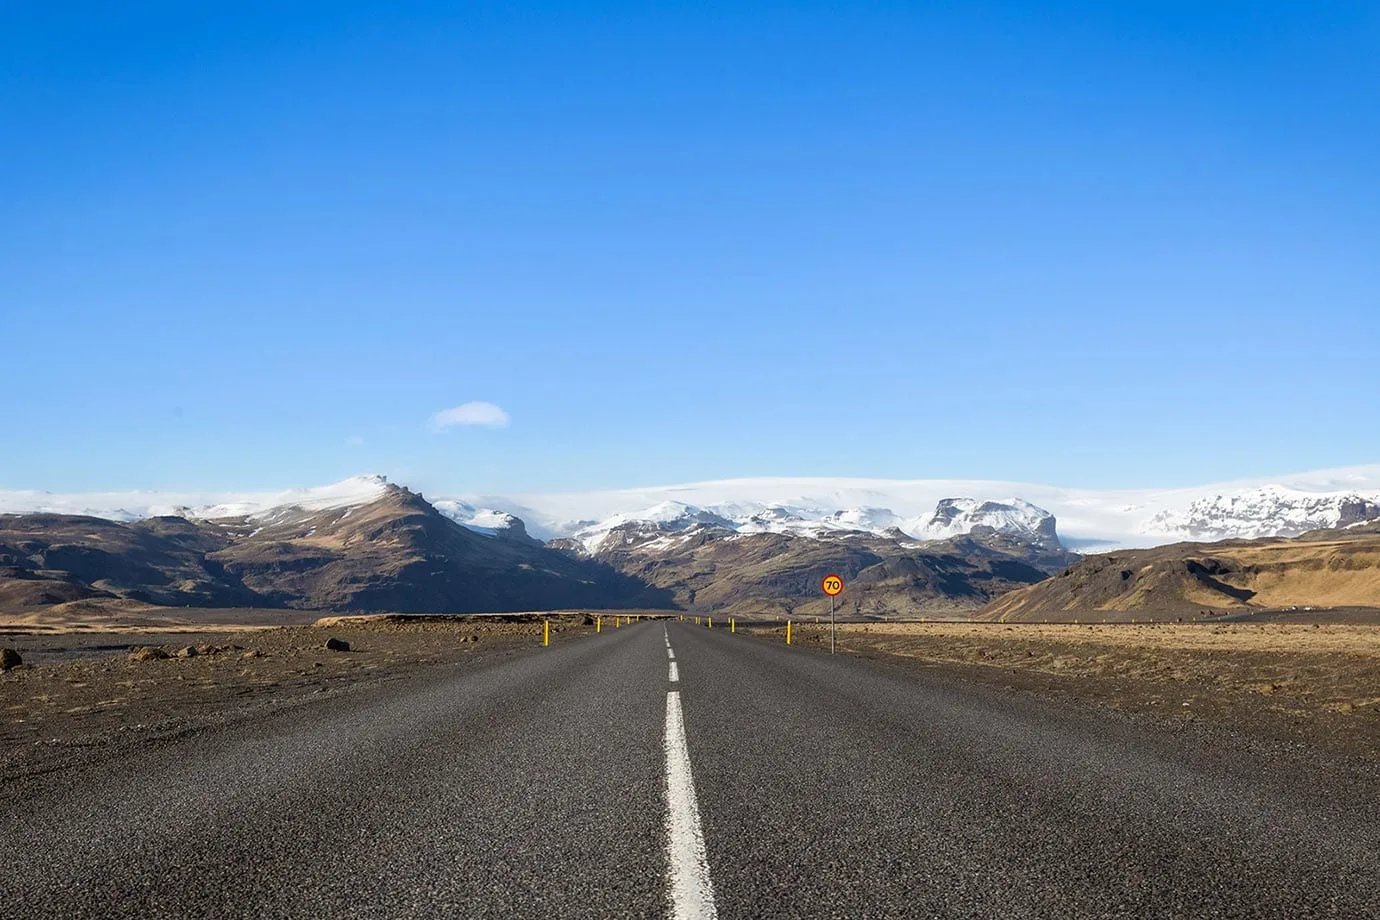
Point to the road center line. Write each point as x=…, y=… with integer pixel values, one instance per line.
x=675, y=673
x=692, y=890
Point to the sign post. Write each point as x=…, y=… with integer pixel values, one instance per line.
x=833, y=586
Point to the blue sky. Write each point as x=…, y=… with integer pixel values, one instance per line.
x=1089, y=244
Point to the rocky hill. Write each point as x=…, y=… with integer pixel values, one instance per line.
x=52, y=558
x=392, y=553
x=1337, y=567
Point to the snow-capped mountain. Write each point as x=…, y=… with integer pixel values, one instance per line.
x=485, y=521
x=809, y=520
x=659, y=520
x=1089, y=520
x=656, y=526
x=1271, y=511
x=954, y=516
x=134, y=506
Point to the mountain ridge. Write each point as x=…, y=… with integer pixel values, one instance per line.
x=393, y=553
x=369, y=545
x=1090, y=520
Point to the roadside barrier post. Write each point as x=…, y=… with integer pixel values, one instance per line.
x=711, y=623
x=598, y=624
x=732, y=625
x=545, y=632
x=788, y=632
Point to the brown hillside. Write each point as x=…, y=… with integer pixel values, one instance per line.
x=395, y=554
x=772, y=574
x=1336, y=568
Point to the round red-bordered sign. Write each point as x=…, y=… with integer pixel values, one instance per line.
x=832, y=585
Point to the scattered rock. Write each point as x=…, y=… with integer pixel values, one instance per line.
x=188, y=652
x=253, y=653
x=337, y=645
x=9, y=658
x=148, y=653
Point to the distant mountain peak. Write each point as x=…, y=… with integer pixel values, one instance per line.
x=1266, y=511
x=1013, y=517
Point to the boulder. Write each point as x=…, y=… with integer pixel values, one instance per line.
x=188, y=652
x=337, y=645
x=148, y=653
x=9, y=658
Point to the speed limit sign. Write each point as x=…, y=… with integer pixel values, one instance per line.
x=833, y=585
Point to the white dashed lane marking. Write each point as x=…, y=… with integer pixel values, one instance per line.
x=692, y=890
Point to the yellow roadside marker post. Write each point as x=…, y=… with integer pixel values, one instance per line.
x=711, y=622
x=545, y=632
x=732, y=625
x=598, y=624
x=788, y=632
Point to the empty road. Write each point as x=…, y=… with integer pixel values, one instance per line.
x=676, y=771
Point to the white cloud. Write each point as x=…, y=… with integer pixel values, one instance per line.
x=471, y=413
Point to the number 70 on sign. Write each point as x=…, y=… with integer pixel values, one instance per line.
x=832, y=585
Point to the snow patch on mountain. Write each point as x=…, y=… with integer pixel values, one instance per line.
x=1270, y=511
x=668, y=517
x=357, y=490
x=134, y=506
x=667, y=522
x=955, y=516
x=486, y=521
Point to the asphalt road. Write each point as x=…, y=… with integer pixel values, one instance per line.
x=803, y=785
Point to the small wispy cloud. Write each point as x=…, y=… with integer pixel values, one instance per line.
x=354, y=440
x=471, y=413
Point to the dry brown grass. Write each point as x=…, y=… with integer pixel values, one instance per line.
x=1319, y=684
